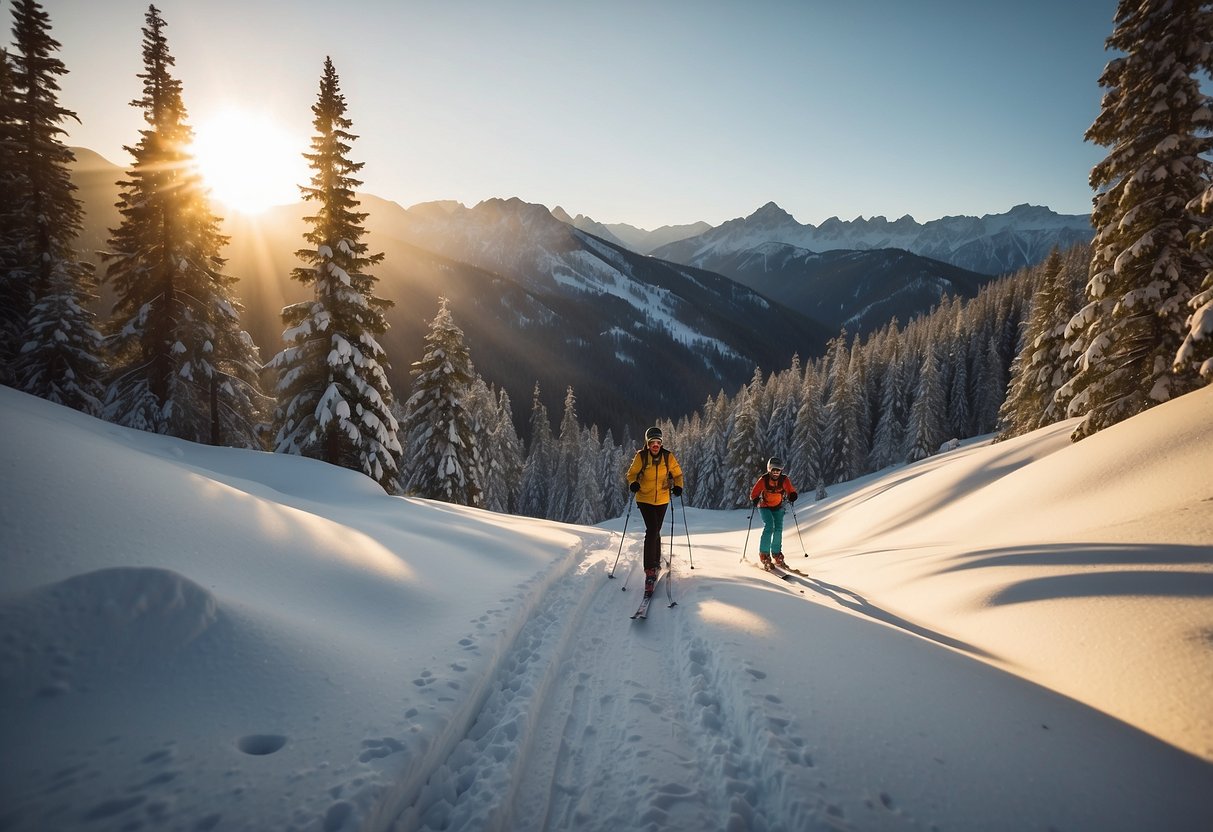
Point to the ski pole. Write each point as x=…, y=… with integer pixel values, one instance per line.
x=798, y=534
x=622, y=535
x=690, y=555
x=669, y=562
x=749, y=525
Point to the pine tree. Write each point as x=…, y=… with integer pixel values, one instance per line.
x=60, y=353
x=540, y=465
x=1040, y=369
x=806, y=452
x=1196, y=351
x=844, y=445
x=1156, y=122
x=441, y=439
x=334, y=400
x=568, y=463
x=613, y=465
x=928, y=416
x=711, y=472
x=16, y=295
x=586, y=503
x=890, y=423
x=746, y=453
x=503, y=460
x=181, y=364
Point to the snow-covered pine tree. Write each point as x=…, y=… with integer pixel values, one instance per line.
x=565, y=480
x=586, y=499
x=1196, y=351
x=710, y=471
x=928, y=413
x=746, y=453
x=60, y=346
x=180, y=363
x=334, y=399
x=845, y=448
x=805, y=456
x=784, y=401
x=502, y=459
x=889, y=437
x=1040, y=369
x=613, y=464
x=540, y=465
x=442, y=445
x=1156, y=121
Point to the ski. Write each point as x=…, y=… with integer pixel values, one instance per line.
x=775, y=570
x=642, y=611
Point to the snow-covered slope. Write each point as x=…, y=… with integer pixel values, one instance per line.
x=1012, y=636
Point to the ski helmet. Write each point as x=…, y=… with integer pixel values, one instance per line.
x=651, y=434
x=774, y=463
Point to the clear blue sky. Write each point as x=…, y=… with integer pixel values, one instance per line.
x=650, y=112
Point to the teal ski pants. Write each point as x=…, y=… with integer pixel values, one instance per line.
x=772, y=530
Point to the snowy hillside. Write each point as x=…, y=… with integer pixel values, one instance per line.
x=1011, y=636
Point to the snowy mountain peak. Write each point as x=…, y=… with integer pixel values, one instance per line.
x=771, y=215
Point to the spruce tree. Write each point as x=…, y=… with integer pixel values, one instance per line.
x=1156, y=122
x=16, y=296
x=586, y=497
x=805, y=457
x=181, y=364
x=568, y=463
x=928, y=413
x=441, y=438
x=711, y=473
x=612, y=466
x=540, y=465
x=503, y=459
x=334, y=399
x=746, y=453
x=888, y=439
x=1040, y=369
x=1195, y=353
x=60, y=347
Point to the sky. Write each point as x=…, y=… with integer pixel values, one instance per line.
x=650, y=113
x=1000, y=637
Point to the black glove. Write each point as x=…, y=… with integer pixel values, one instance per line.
x=677, y=490
x=757, y=502
x=792, y=495
x=634, y=486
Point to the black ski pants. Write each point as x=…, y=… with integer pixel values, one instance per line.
x=653, y=518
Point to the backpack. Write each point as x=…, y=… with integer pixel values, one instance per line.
x=776, y=489
x=663, y=455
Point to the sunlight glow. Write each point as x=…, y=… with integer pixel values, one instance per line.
x=730, y=615
x=249, y=162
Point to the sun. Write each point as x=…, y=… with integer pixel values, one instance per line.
x=249, y=162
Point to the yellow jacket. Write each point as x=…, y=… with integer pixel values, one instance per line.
x=656, y=477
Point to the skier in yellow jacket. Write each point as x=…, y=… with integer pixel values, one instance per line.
x=653, y=476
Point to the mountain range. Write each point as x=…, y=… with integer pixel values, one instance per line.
x=643, y=325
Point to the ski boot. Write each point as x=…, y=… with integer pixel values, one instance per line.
x=765, y=558
x=650, y=579
x=779, y=561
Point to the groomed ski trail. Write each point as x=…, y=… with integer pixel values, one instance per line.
x=598, y=722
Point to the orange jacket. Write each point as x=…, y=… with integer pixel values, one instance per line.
x=771, y=490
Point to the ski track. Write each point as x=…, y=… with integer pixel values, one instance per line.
x=598, y=722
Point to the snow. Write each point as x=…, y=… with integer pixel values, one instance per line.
x=1008, y=636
